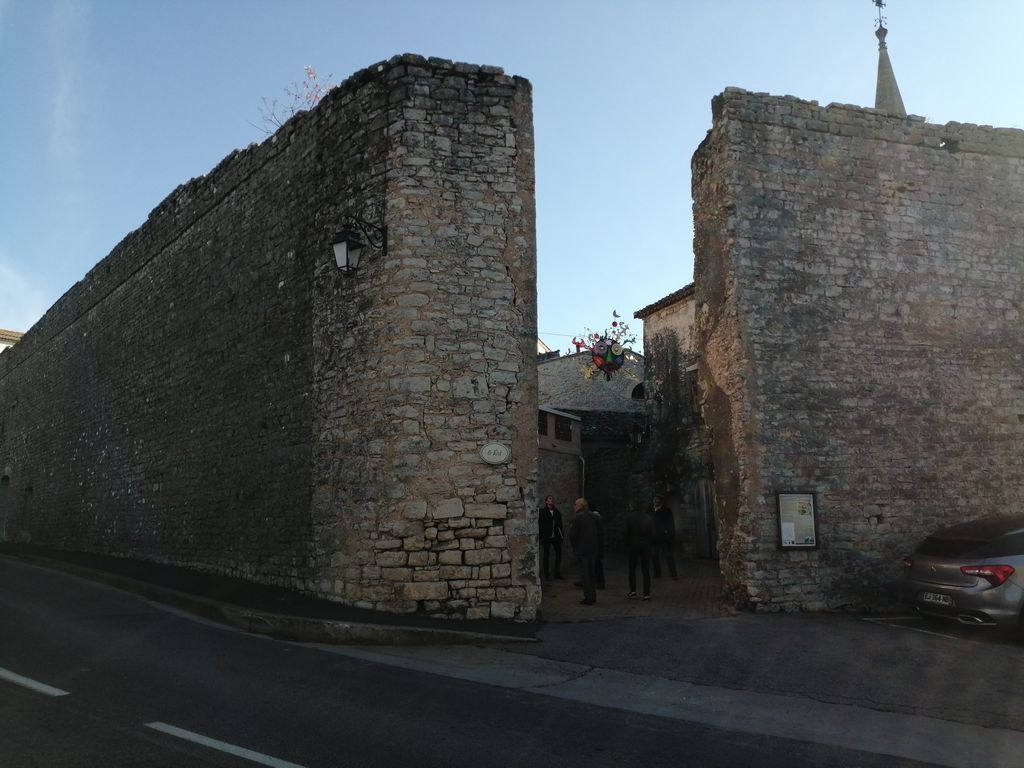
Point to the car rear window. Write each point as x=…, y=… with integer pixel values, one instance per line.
x=1005, y=546
x=936, y=547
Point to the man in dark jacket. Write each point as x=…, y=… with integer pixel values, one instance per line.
x=549, y=520
x=584, y=532
x=664, y=536
x=639, y=538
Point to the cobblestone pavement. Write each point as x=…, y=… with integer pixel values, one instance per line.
x=697, y=594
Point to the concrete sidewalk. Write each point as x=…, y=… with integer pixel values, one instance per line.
x=268, y=610
x=287, y=614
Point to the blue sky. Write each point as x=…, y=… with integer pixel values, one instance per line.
x=111, y=104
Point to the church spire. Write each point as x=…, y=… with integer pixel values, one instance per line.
x=887, y=92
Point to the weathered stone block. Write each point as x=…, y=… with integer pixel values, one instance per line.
x=487, y=511
x=423, y=590
x=448, y=508
x=418, y=559
x=389, y=559
x=482, y=556
x=503, y=610
x=453, y=557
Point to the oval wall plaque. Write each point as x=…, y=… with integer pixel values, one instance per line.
x=495, y=453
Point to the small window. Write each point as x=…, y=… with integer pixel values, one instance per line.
x=563, y=428
x=638, y=392
x=542, y=423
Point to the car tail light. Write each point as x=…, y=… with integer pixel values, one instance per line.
x=993, y=574
x=908, y=561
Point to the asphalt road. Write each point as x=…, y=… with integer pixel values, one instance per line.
x=894, y=664
x=91, y=676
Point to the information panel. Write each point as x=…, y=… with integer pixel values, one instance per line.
x=798, y=523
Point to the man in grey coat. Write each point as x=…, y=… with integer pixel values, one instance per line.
x=584, y=536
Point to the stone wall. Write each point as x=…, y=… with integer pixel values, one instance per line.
x=216, y=393
x=859, y=282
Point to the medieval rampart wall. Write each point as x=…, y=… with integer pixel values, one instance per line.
x=859, y=281
x=216, y=393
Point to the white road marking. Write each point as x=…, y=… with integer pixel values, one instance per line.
x=223, y=746
x=25, y=682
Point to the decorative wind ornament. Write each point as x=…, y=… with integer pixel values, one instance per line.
x=607, y=350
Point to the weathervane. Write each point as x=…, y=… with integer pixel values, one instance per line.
x=881, y=18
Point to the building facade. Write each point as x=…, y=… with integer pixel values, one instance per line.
x=8, y=339
x=560, y=462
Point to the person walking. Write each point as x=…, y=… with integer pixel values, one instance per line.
x=664, y=535
x=639, y=537
x=583, y=537
x=549, y=520
x=599, y=560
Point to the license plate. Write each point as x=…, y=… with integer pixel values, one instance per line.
x=936, y=599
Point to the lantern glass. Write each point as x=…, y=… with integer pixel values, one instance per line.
x=347, y=250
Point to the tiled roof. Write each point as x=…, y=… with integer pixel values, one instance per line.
x=561, y=384
x=672, y=298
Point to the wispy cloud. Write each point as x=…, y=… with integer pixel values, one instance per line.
x=68, y=32
x=22, y=302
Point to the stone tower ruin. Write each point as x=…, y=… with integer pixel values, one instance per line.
x=859, y=289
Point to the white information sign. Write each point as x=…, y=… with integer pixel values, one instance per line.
x=495, y=453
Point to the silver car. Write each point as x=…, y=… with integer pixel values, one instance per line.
x=972, y=573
